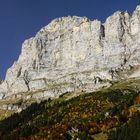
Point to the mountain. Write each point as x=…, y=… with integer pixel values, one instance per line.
x=76, y=79
x=74, y=53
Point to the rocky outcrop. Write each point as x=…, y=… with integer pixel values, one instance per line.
x=74, y=53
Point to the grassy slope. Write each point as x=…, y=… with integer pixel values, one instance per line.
x=80, y=117
x=5, y=113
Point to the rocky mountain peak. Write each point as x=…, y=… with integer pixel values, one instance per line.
x=62, y=24
x=137, y=8
x=75, y=53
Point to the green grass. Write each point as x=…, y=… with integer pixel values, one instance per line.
x=11, y=101
x=54, y=119
x=5, y=114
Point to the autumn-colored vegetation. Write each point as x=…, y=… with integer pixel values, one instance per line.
x=80, y=117
x=137, y=100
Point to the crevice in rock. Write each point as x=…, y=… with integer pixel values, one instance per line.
x=127, y=56
x=8, y=86
x=122, y=28
x=19, y=72
x=34, y=64
x=1, y=81
x=102, y=31
x=97, y=80
x=26, y=79
x=114, y=73
x=125, y=30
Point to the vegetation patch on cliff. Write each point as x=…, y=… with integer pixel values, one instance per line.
x=106, y=112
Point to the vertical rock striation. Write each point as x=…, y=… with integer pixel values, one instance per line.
x=74, y=53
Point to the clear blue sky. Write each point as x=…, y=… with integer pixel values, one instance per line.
x=21, y=19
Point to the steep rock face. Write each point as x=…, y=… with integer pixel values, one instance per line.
x=74, y=53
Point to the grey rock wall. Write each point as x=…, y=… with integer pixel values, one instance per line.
x=77, y=52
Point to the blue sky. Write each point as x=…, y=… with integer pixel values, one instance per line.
x=21, y=19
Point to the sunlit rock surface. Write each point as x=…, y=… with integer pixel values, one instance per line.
x=74, y=53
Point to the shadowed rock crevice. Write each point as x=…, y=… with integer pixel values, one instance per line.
x=102, y=31
x=26, y=79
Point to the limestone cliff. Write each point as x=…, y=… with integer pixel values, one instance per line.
x=74, y=53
